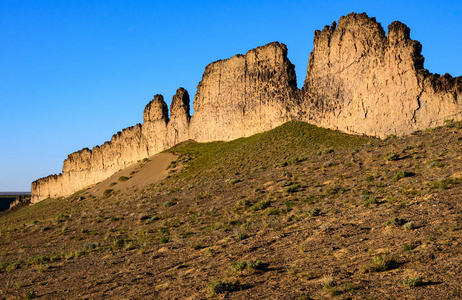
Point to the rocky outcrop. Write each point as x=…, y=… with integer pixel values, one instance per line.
x=359, y=80
x=244, y=95
x=178, y=125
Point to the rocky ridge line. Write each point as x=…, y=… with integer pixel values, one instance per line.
x=359, y=80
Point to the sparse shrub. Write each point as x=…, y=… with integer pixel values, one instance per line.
x=369, y=178
x=435, y=164
x=152, y=219
x=327, y=281
x=145, y=160
x=123, y=178
x=164, y=239
x=413, y=281
x=241, y=236
x=369, y=200
x=90, y=246
x=31, y=295
x=314, y=212
x=408, y=247
x=408, y=147
x=395, y=221
x=120, y=242
x=243, y=203
x=328, y=163
x=108, y=192
x=392, y=157
x=327, y=151
x=292, y=188
x=115, y=219
x=211, y=252
x=112, y=184
x=449, y=123
x=401, y=174
x=46, y=228
x=409, y=225
x=234, y=181
x=38, y=260
x=239, y=266
x=220, y=286
x=382, y=263
x=273, y=212
x=169, y=203
x=261, y=205
x=257, y=265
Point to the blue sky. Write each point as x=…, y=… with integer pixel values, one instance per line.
x=73, y=73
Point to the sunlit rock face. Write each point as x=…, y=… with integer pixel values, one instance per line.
x=359, y=80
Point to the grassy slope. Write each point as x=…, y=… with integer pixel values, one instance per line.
x=298, y=212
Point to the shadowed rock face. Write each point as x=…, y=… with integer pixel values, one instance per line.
x=358, y=80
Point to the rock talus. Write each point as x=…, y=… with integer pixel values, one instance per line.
x=359, y=80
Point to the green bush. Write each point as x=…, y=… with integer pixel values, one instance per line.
x=401, y=174
x=260, y=205
x=413, y=281
x=123, y=178
x=220, y=286
x=392, y=157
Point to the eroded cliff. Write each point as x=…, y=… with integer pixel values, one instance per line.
x=244, y=95
x=359, y=80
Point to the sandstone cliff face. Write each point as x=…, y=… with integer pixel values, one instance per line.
x=358, y=80
x=244, y=95
x=178, y=125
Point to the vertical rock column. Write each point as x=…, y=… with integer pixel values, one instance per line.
x=155, y=119
x=178, y=125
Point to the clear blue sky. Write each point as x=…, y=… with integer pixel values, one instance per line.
x=73, y=73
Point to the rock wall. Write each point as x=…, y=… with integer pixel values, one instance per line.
x=244, y=95
x=359, y=80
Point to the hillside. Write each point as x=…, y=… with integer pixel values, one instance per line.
x=298, y=212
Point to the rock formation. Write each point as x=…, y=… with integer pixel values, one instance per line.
x=359, y=80
x=244, y=95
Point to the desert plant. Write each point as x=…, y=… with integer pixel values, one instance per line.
x=408, y=247
x=221, y=286
x=164, y=239
x=401, y=174
x=108, y=192
x=31, y=295
x=292, y=188
x=382, y=263
x=241, y=236
x=257, y=265
x=395, y=221
x=413, y=281
x=234, y=181
x=260, y=205
x=392, y=157
x=409, y=225
x=314, y=212
x=90, y=246
x=123, y=178
x=239, y=266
